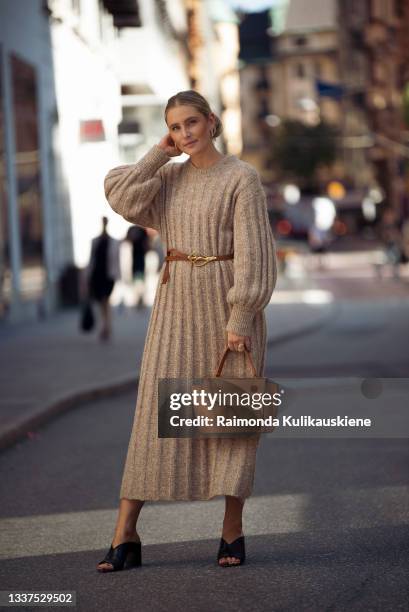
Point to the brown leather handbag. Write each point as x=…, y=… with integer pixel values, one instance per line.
x=246, y=388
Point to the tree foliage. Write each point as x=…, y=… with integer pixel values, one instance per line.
x=298, y=149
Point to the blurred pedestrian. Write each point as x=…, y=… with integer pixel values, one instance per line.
x=102, y=273
x=391, y=237
x=139, y=240
x=318, y=241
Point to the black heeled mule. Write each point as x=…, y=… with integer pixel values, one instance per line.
x=123, y=556
x=234, y=549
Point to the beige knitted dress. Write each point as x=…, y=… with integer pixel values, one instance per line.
x=212, y=211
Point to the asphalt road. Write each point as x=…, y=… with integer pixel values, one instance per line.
x=327, y=527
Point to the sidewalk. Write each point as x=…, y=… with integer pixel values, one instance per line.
x=48, y=367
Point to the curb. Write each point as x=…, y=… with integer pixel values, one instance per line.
x=40, y=416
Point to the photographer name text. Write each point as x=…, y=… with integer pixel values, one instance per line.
x=283, y=421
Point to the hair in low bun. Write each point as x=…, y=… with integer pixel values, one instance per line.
x=219, y=127
x=195, y=99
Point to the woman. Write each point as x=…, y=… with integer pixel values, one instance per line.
x=212, y=204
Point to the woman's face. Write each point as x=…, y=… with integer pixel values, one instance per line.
x=189, y=129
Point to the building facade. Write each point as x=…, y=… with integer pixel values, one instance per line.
x=374, y=61
x=29, y=205
x=83, y=84
x=305, y=55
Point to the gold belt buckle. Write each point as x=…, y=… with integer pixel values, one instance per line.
x=200, y=260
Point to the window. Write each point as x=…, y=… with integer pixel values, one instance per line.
x=400, y=8
x=28, y=174
x=299, y=70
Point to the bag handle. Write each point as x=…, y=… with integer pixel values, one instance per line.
x=224, y=356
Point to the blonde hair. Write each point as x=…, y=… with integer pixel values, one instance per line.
x=193, y=98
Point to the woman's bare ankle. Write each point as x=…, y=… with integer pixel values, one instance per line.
x=232, y=532
x=125, y=535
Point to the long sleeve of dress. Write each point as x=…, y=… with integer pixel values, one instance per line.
x=133, y=190
x=255, y=259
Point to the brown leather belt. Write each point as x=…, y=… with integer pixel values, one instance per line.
x=196, y=260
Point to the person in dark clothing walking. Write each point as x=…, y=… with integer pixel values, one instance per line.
x=103, y=271
x=140, y=244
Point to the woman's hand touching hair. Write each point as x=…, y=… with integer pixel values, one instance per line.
x=169, y=146
x=235, y=342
